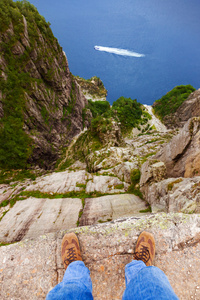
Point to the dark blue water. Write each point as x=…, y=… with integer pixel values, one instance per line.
x=166, y=31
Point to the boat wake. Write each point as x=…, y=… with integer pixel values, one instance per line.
x=118, y=51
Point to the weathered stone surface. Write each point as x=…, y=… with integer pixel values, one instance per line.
x=67, y=181
x=112, y=207
x=105, y=184
x=123, y=171
x=29, y=269
x=93, y=88
x=174, y=195
x=181, y=154
x=155, y=121
x=34, y=217
x=61, y=182
x=5, y=192
x=152, y=171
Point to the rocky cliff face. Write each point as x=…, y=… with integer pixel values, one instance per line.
x=182, y=155
x=188, y=109
x=36, y=88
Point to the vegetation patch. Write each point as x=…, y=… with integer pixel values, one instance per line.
x=81, y=185
x=170, y=185
x=119, y=186
x=146, y=210
x=134, y=187
x=169, y=103
x=94, y=86
x=81, y=212
x=4, y=203
x=144, y=158
x=37, y=194
x=7, y=176
x=16, y=147
x=5, y=212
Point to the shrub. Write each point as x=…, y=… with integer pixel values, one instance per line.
x=172, y=100
x=128, y=112
x=98, y=107
x=135, y=176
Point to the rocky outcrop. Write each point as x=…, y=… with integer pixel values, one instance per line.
x=31, y=268
x=93, y=88
x=68, y=181
x=111, y=136
x=174, y=195
x=182, y=154
x=151, y=171
x=189, y=108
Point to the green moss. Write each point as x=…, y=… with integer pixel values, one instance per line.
x=119, y=186
x=144, y=158
x=135, y=176
x=135, y=179
x=146, y=210
x=80, y=212
x=136, y=192
x=170, y=185
x=5, y=212
x=4, y=203
x=152, y=141
x=37, y=194
x=81, y=185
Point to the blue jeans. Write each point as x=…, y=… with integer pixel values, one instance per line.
x=142, y=283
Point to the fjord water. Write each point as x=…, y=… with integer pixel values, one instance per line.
x=166, y=32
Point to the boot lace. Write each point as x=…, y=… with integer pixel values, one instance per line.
x=71, y=256
x=143, y=255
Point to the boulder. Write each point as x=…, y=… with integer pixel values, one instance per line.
x=174, y=195
x=181, y=154
x=152, y=171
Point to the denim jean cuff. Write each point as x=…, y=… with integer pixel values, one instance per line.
x=132, y=269
x=78, y=273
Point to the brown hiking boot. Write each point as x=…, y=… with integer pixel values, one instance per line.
x=70, y=249
x=145, y=248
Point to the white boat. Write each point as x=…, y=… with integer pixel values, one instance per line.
x=96, y=47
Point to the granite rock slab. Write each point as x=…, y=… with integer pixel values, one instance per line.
x=31, y=268
x=111, y=207
x=34, y=217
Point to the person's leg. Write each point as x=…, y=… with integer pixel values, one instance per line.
x=144, y=282
x=76, y=283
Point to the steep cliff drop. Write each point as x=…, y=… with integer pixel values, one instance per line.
x=40, y=101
